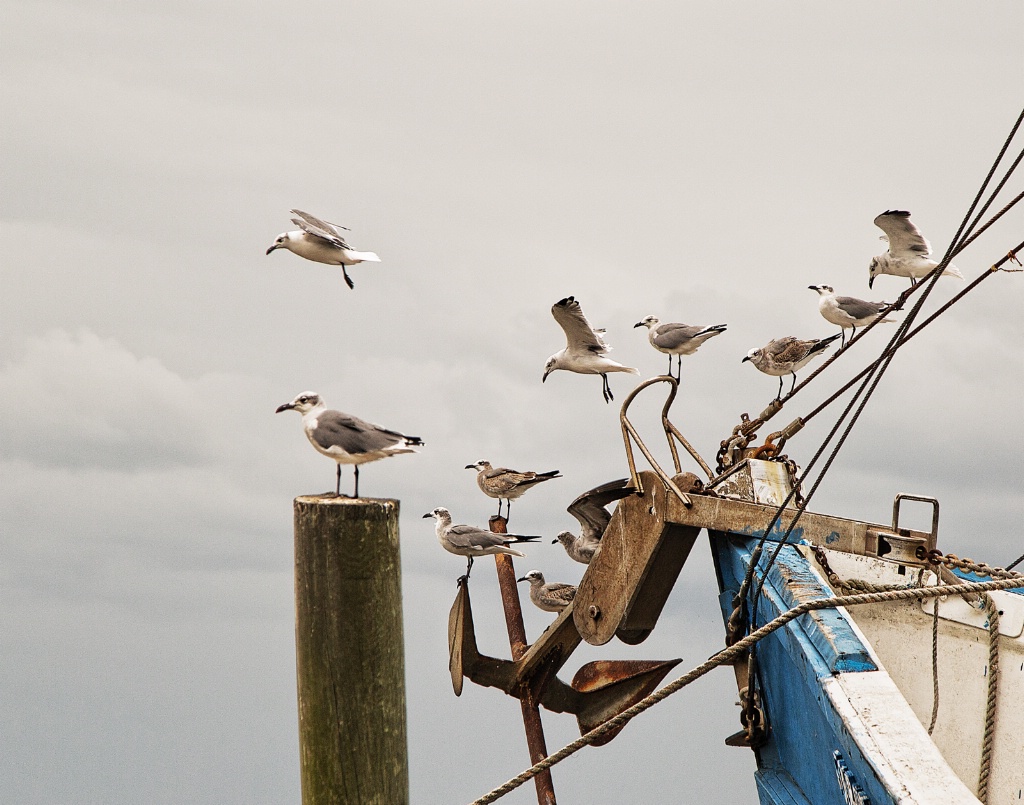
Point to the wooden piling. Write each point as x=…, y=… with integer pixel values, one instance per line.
x=349, y=653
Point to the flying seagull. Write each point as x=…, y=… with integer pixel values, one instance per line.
x=470, y=541
x=677, y=339
x=846, y=311
x=321, y=242
x=784, y=356
x=589, y=509
x=585, y=349
x=908, y=250
x=345, y=438
x=550, y=597
x=501, y=482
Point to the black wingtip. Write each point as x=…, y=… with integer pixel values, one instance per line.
x=901, y=213
x=567, y=301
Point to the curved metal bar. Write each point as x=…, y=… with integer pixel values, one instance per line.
x=670, y=430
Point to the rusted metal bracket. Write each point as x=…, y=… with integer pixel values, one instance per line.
x=598, y=691
x=672, y=434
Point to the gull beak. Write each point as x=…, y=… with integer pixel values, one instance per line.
x=285, y=407
x=543, y=379
x=812, y=287
x=745, y=359
x=638, y=324
x=871, y=279
x=275, y=246
x=470, y=467
x=522, y=579
x=554, y=540
x=428, y=514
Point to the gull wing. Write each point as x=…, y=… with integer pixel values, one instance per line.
x=858, y=308
x=317, y=227
x=579, y=335
x=670, y=336
x=790, y=349
x=352, y=434
x=589, y=508
x=472, y=538
x=905, y=239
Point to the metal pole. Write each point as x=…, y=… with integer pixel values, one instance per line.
x=350, y=662
x=517, y=642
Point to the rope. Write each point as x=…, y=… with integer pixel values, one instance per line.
x=991, y=700
x=727, y=655
x=935, y=667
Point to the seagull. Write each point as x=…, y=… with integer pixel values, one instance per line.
x=321, y=242
x=589, y=509
x=501, y=482
x=846, y=311
x=585, y=349
x=908, y=251
x=784, y=356
x=345, y=438
x=470, y=541
x=550, y=597
x=677, y=339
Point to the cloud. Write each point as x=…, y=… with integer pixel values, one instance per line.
x=85, y=401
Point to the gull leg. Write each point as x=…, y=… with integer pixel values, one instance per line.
x=794, y=383
x=842, y=337
x=337, y=484
x=465, y=579
x=348, y=279
x=606, y=389
x=357, y=481
x=670, y=364
x=779, y=395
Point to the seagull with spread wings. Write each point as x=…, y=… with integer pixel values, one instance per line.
x=585, y=349
x=908, y=250
x=589, y=509
x=321, y=242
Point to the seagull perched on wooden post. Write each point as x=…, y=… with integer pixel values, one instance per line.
x=501, y=482
x=321, y=242
x=470, y=541
x=551, y=597
x=345, y=438
x=846, y=311
x=784, y=356
x=677, y=339
x=908, y=251
x=585, y=349
x=589, y=509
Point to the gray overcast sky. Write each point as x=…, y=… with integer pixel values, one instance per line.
x=701, y=162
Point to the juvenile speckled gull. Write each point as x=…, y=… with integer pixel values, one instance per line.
x=908, y=250
x=784, y=356
x=551, y=597
x=345, y=438
x=585, y=349
x=589, y=509
x=321, y=242
x=847, y=311
x=677, y=339
x=501, y=482
x=470, y=541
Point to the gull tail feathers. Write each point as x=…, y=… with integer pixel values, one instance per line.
x=366, y=257
x=952, y=271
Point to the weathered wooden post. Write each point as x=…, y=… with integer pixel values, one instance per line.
x=349, y=653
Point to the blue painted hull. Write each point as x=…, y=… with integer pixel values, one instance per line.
x=810, y=757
